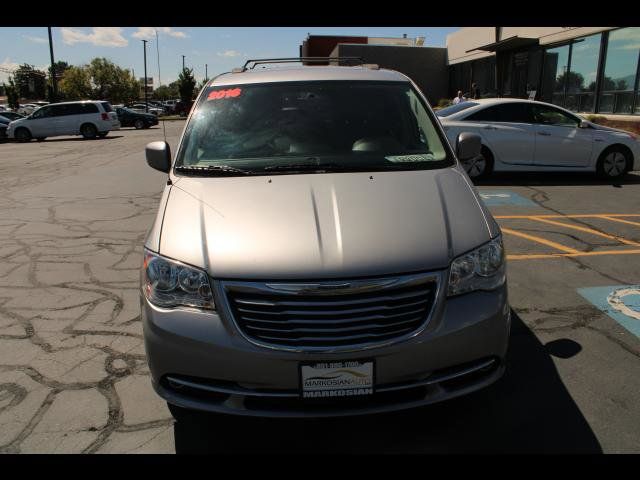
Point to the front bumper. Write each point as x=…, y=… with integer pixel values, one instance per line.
x=199, y=360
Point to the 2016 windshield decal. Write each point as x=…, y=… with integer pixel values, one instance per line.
x=219, y=94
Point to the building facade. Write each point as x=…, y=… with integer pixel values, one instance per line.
x=584, y=69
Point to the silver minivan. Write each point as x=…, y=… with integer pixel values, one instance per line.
x=319, y=251
x=91, y=119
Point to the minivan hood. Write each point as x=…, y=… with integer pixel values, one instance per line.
x=311, y=226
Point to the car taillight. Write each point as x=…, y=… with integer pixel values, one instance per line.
x=105, y=116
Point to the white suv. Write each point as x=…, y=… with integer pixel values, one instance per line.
x=90, y=119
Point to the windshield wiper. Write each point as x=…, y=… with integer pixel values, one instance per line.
x=217, y=170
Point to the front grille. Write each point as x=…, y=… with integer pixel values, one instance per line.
x=332, y=314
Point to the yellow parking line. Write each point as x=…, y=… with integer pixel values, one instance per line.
x=620, y=220
x=579, y=254
x=587, y=230
x=544, y=241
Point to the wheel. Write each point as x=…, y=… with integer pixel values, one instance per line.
x=40, y=139
x=614, y=162
x=89, y=131
x=138, y=124
x=480, y=166
x=103, y=134
x=22, y=135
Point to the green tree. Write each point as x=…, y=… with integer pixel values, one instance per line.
x=30, y=82
x=12, y=93
x=166, y=92
x=58, y=70
x=186, y=84
x=75, y=83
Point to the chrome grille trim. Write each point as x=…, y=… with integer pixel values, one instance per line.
x=331, y=316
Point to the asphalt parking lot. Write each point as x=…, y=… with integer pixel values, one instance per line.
x=73, y=376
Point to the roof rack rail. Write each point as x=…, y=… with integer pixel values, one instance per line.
x=262, y=61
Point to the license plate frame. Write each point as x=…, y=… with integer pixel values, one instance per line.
x=336, y=379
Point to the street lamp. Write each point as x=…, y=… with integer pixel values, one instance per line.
x=183, y=61
x=146, y=104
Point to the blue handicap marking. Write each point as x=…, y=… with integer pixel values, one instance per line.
x=504, y=197
x=620, y=302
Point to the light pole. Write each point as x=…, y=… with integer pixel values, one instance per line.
x=206, y=74
x=54, y=88
x=183, y=62
x=146, y=105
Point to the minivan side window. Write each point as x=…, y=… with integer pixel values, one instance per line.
x=42, y=112
x=506, y=112
x=106, y=106
x=59, y=110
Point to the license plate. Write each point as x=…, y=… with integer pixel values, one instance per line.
x=337, y=379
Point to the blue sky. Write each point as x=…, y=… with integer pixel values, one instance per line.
x=220, y=48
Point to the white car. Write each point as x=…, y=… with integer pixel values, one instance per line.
x=27, y=108
x=524, y=135
x=140, y=108
x=90, y=119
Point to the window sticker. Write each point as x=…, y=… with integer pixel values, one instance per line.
x=219, y=94
x=422, y=157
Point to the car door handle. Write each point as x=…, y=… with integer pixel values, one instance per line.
x=490, y=127
x=546, y=134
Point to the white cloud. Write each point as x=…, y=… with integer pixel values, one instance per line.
x=150, y=32
x=100, y=36
x=229, y=53
x=7, y=64
x=35, y=39
x=629, y=46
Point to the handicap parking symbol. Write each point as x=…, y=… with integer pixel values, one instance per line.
x=504, y=197
x=620, y=302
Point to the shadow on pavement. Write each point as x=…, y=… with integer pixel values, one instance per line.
x=528, y=411
x=76, y=139
x=553, y=179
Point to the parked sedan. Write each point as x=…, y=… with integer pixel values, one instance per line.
x=140, y=108
x=11, y=116
x=130, y=118
x=4, y=123
x=524, y=135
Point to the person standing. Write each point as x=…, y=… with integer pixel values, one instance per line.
x=459, y=98
x=475, y=91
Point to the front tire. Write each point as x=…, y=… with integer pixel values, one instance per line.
x=22, y=135
x=480, y=166
x=613, y=163
x=89, y=131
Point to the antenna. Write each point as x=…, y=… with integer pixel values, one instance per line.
x=164, y=128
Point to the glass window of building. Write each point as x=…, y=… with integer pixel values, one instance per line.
x=556, y=66
x=581, y=79
x=621, y=66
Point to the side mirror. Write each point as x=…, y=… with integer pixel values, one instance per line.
x=468, y=145
x=159, y=156
x=584, y=124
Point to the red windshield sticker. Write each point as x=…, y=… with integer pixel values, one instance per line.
x=218, y=94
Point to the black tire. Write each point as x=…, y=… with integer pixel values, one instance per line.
x=22, y=135
x=103, y=134
x=41, y=139
x=89, y=131
x=479, y=167
x=138, y=124
x=615, y=162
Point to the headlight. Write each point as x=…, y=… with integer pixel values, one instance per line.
x=480, y=269
x=167, y=283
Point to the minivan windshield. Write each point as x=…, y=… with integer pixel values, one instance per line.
x=288, y=127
